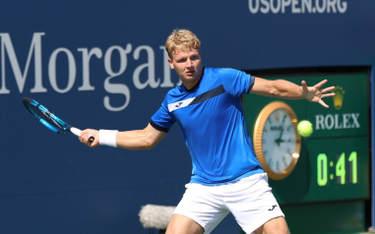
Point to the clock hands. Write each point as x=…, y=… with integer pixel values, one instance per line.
x=279, y=140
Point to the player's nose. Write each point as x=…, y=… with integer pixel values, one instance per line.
x=189, y=63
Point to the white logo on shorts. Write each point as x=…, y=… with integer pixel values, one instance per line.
x=273, y=207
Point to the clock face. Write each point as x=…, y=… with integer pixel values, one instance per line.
x=277, y=143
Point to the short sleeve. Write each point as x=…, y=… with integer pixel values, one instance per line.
x=162, y=120
x=237, y=82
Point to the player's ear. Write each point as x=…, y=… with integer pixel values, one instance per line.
x=170, y=63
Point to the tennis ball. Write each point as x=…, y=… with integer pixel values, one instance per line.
x=305, y=128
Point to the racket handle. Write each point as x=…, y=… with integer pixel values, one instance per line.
x=77, y=132
x=91, y=139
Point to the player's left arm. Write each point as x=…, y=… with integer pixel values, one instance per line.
x=286, y=89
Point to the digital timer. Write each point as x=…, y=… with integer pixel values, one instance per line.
x=340, y=168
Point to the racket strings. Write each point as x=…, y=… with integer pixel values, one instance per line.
x=46, y=117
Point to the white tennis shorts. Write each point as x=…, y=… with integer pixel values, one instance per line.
x=250, y=200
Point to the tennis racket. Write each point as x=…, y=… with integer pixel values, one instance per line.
x=48, y=119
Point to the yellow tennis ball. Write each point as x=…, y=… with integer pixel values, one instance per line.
x=305, y=128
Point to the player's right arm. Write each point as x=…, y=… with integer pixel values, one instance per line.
x=146, y=138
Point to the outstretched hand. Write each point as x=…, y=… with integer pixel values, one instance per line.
x=315, y=93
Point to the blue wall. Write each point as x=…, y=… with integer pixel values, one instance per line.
x=100, y=64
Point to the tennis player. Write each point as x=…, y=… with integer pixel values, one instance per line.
x=226, y=176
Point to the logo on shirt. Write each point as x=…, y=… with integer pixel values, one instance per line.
x=198, y=99
x=177, y=105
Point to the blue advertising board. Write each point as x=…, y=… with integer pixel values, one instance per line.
x=101, y=64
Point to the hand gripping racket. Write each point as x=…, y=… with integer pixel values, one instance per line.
x=48, y=119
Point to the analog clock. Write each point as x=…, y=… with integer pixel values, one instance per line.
x=277, y=143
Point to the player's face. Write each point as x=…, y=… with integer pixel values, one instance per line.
x=188, y=65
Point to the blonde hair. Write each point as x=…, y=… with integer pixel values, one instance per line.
x=181, y=40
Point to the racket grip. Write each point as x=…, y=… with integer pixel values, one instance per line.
x=77, y=132
x=91, y=139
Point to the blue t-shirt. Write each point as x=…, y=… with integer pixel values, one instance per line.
x=212, y=124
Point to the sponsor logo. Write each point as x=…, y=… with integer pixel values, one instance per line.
x=297, y=6
x=339, y=97
x=337, y=121
x=272, y=208
x=143, y=76
x=178, y=104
